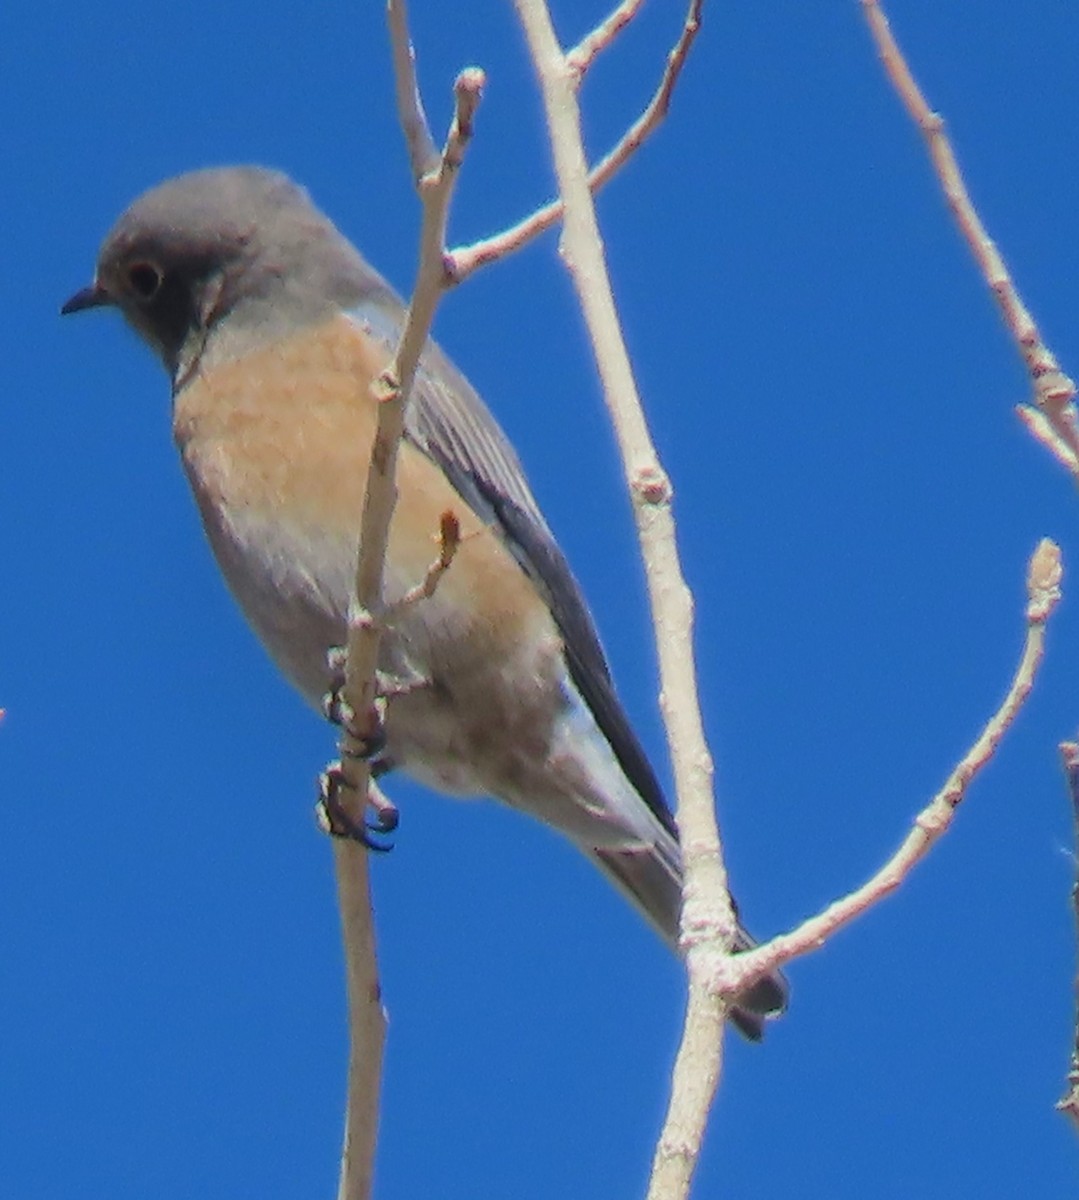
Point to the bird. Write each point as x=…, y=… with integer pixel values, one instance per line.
x=271, y=327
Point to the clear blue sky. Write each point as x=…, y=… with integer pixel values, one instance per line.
x=832, y=391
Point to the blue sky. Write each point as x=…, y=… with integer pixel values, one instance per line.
x=831, y=390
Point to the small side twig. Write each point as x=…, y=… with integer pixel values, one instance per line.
x=449, y=539
x=1043, y=594
x=1054, y=392
x=422, y=151
x=435, y=182
x=1069, y=1102
x=1041, y=429
x=588, y=49
x=463, y=260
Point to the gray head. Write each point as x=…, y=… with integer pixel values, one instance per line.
x=242, y=243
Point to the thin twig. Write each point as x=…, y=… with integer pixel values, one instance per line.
x=463, y=260
x=1054, y=392
x=391, y=392
x=392, y=389
x=708, y=924
x=1069, y=1102
x=588, y=49
x=1041, y=430
x=366, y=1020
x=422, y=151
x=449, y=539
x=1043, y=593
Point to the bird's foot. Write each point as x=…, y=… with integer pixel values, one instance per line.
x=365, y=740
x=388, y=685
x=335, y=820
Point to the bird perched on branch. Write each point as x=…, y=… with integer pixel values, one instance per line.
x=272, y=327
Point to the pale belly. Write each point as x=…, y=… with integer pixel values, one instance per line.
x=485, y=695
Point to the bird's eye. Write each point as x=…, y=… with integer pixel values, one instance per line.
x=145, y=279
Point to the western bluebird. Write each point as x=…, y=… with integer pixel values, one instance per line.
x=271, y=327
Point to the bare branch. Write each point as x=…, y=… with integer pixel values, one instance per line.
x=394, y=385
x=1043, y=594
x=1041, y=429
x=422, y=152
x=449, y=539
x=584, y=54
x=1069, y=1102
x=1054, y=392
x=463, y=260
x=708, y=923
x=391, y=392
x=366, y=1020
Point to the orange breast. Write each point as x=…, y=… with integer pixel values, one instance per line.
x=285, y=433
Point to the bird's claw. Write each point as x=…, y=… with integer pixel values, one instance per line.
x=368, y=745
x=337, y=822
x=388, y=685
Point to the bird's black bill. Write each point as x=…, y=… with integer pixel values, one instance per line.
x=93, y=296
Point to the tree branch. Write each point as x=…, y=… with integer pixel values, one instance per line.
x=1052, y=419
x=422, y=151
x=589, y=48
x=366, y=1020
x=708, y=924
x=463, y=260
x=1069, y=1102
x=1043, y=594
x=391, y=392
